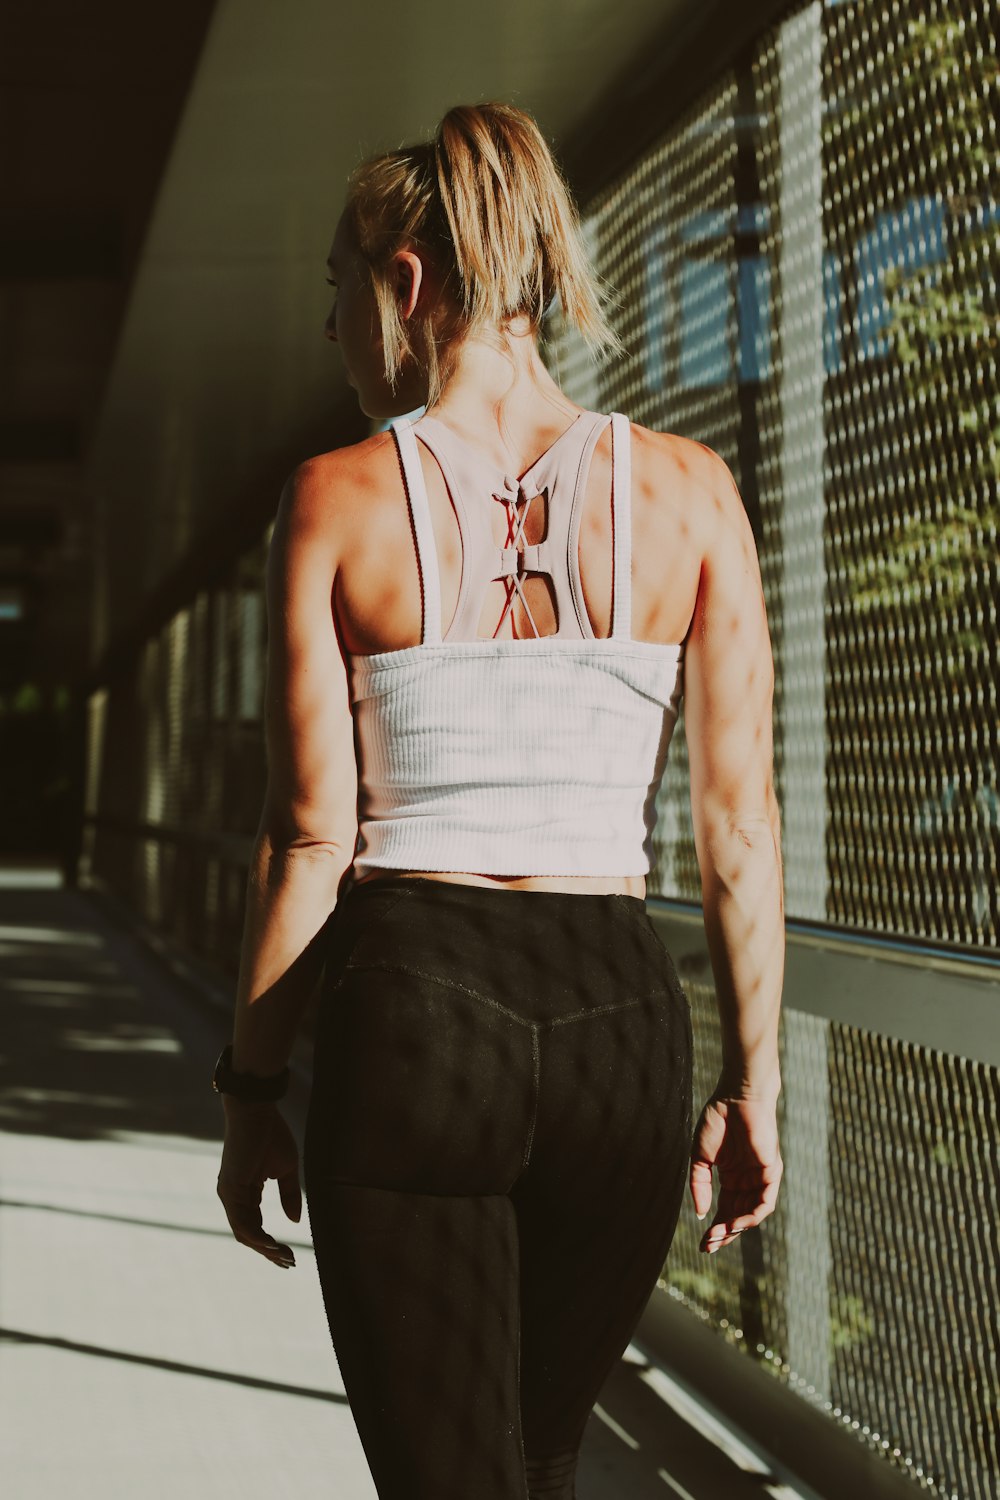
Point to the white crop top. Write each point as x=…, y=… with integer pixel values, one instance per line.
x=534, y=756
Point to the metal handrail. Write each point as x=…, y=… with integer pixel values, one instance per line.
x=915, y=992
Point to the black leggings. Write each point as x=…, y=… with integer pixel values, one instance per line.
x=495, y=1158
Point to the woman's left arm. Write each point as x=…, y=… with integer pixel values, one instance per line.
x=305, y=840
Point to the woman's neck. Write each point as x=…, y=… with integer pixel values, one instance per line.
x=507, y=400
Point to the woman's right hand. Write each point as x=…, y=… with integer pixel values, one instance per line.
x=739, y=1137
x=258, y=1144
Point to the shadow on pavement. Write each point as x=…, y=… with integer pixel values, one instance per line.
x=177, y=1367
x=96, y=1041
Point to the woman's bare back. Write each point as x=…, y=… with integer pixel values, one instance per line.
x=377, y=598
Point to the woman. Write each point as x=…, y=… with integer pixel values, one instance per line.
x=463, y=757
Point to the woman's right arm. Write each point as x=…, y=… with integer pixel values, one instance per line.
x=728, y=706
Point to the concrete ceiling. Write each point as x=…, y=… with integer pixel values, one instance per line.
x=89, y=100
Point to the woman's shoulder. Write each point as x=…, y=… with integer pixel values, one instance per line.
x=342, y=485
x=662, y=447
x=353, y=464
x=683, y=471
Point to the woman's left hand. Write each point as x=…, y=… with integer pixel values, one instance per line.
x=258, y=1145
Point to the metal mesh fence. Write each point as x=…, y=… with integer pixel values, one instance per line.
x=804, y=273
x=806, y=278
x=175, y=797
x=872, y=1289
x=805, y=269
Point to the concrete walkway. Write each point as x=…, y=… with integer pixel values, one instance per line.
x=145, y=1354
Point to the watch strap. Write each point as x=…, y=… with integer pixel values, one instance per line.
x=248, y=1086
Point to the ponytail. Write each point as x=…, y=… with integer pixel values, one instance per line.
x=489, y=204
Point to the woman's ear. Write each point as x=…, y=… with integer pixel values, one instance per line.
x=409, y=279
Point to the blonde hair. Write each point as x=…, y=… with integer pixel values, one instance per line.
x=487, y=202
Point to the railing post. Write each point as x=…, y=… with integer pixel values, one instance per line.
x=803, y=576
x=803, y=626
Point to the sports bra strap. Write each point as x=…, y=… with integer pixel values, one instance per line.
x=423, y=531
x=621, y=486
x=430, y=584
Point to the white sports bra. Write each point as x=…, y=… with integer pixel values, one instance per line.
x=534, y=756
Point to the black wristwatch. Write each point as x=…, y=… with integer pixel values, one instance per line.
x=247, y=1086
